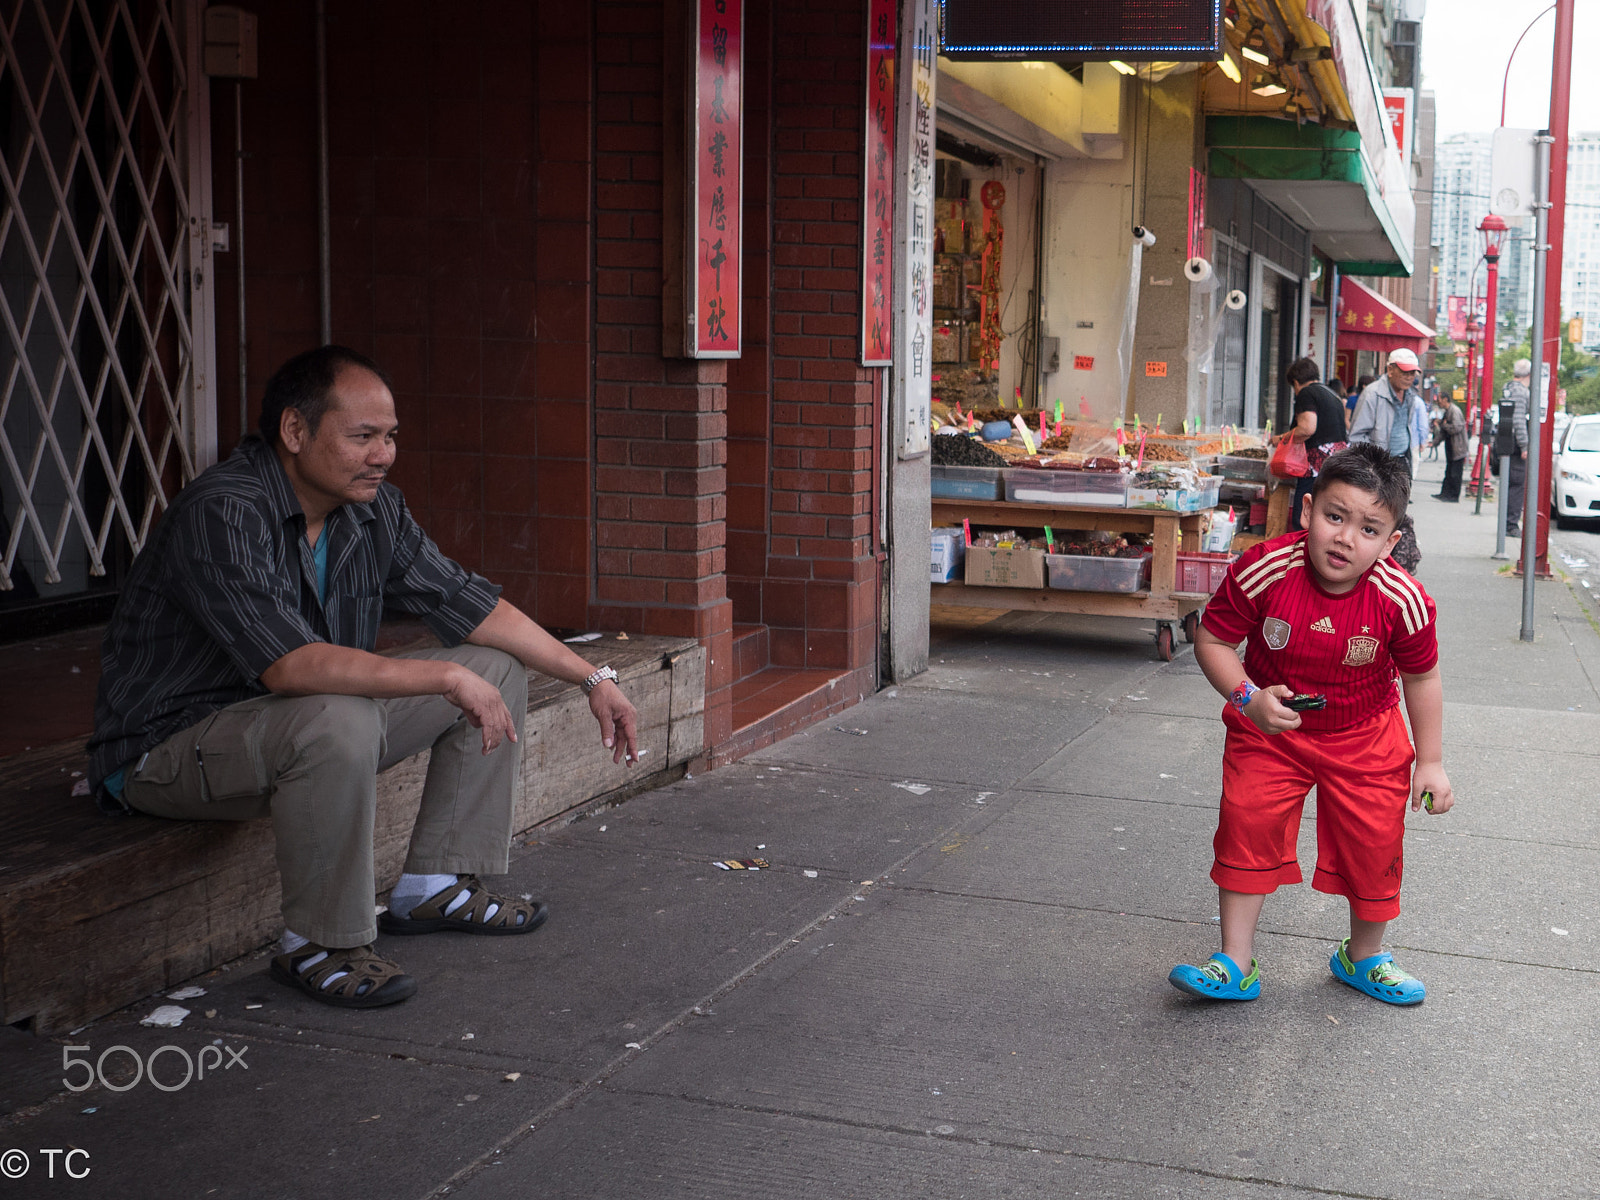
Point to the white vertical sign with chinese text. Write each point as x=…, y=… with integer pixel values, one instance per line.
x=914, y=353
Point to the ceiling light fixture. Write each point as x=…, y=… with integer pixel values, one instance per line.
x=1123, y=67
x=1229, y=67
x=1267, y=85
x=1255, y=48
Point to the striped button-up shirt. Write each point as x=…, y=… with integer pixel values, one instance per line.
x=227, y=585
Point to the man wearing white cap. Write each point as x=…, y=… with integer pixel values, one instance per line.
x=1390, y=413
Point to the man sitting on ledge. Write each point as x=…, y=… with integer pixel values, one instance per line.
x=238, y=681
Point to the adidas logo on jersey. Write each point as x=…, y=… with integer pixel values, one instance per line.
x=1323, y=626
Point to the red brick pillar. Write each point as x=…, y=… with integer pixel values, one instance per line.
x=660, y=424
x=820, y=598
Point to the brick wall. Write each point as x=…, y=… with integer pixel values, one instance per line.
x=820, y=594
x=750, y=376
x=660, y=423
x=460, y=189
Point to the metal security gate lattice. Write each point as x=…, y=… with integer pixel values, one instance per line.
x=104, y=295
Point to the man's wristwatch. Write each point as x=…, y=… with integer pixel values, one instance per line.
x=599, y=677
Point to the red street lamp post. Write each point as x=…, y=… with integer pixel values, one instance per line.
x=1476, y=417
x=1494, y=233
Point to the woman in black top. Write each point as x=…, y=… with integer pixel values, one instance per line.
x=1318, y=422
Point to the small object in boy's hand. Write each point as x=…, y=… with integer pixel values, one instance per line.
x=1305, y=702
x=1427, y=801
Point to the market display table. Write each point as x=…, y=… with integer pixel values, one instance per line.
x=1168, y=530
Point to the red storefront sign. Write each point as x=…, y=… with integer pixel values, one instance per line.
x=877, y=190
x=717, y=132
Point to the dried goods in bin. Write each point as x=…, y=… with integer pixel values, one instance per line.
x=958, y=450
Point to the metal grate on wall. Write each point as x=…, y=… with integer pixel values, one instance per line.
x=105, y=316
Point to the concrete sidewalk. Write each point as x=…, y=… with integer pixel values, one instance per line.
x=952, y=980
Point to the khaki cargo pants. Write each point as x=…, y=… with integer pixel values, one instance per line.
x=311, y=764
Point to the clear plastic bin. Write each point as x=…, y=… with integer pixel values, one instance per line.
x=1178, y=499
x=966, y=483
x=1098, y=489
x=1252, y=469
x=1090, y=573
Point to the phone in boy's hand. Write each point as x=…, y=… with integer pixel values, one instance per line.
x=1305, y=702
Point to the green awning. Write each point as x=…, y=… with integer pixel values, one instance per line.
x=1324, y=181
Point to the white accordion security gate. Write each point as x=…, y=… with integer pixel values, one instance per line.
x=107, y=362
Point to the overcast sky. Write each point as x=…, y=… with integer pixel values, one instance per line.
x=1465, y=44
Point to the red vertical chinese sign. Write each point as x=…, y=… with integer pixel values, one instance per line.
x=718, y=133
x=877, y=190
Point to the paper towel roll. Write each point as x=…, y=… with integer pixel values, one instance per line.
x=1235, y=300
x=1143, y=236
x=1198, y=270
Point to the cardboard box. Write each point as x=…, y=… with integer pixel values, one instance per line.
x=1020, y=566
x=949, y=552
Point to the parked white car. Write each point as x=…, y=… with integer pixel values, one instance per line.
x=1575, y=475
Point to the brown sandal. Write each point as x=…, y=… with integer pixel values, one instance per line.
x=514, y=916
x=369, y=981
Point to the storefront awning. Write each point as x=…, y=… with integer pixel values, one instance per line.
x=1369, y=322
x=1360, y=217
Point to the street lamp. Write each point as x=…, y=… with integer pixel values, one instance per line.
x=1479, y=466
x=1494, y=234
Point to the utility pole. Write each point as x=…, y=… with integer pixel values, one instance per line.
x=1541, y=405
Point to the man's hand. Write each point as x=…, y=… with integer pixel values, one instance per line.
x=483, y=705
x=618, y=722
x=1268, y=714
x=1430, y=777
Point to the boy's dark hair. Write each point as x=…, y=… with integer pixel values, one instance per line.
x=1371, y=469
x=1303, y=370
x=1362, y=381
x=305, y=382
x=1337, y=385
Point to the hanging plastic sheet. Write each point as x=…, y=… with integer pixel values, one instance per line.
x=1142, y=238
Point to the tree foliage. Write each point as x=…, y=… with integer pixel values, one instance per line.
x=1579, y=372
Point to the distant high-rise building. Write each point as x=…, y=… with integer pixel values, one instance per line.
x=1580, y=275
x=1461, y=198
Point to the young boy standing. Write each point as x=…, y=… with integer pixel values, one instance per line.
x=1326, y=614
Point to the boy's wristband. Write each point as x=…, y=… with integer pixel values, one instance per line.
x=1242, y=695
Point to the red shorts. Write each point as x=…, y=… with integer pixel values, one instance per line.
x=1363, y=779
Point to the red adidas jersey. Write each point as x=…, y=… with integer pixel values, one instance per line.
x=1347, y=647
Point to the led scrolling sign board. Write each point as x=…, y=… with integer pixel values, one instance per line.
x=1082, y=30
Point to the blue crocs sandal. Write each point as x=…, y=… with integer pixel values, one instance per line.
x=1377, y=976
x=1215, y=980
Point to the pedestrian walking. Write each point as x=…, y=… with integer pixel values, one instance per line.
x=1324, y=611
x=1354, y=397
x=1318, y=422
x=1390, y=414
x=1516, y=484
x=1453, y=434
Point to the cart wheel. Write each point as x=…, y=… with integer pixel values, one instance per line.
x=1191, y=626
x=1164, y=641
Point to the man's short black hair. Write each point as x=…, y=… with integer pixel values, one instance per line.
x=1371, y=469
x=1303, y=370
x=1362, y=381
x=305, y=382
x=1337, y=385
